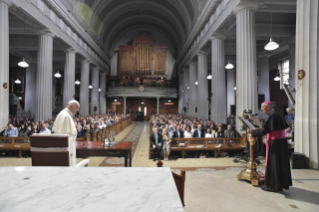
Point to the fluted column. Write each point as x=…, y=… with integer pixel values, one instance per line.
x=124, y=105
x=218, y=108
x=186, y=90
x=246, y=76
x=180, y=94
x=44, y=77
x=158, y=98
x=30, y=88
x=230, y=90
x=69, y=76
x=103, y=92
x=263, y=76
x=4, y=62
x=95, y=90
x=192, y=89
x=307, y=95
x=202, y=90
x=84, y=88
x=292, y=66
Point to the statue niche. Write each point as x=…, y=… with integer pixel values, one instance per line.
x=142, y=58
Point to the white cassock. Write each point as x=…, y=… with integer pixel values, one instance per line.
x=64, y=124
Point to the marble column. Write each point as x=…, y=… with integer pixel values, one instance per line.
x=4, y=62
x=202, y=89
x=230, y=90
x=124, y=105
x=180, y=94
x=84, y=88
x=263, y=80
x=95, y=90
x=192, y=89
x=44, y=77
x=30, y=88
x=103, y=92
x=292, y=66
x=307, y=93
x=218, y=108
x=158, y=98
x=69, y=76
x=186, y=91
x=246, y=67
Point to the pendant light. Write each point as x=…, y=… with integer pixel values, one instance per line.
x=17, y=81
x=271, y=45
x=209, y=77
x=229, y=65
x=90, y=86
x=77, y=82
x=58, y=75
x=23, y=64
x=277, y=77
x=196, y=83
x=100, y=90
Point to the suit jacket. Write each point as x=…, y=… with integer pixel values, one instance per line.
x=229, y=134
x=153, y=139
x=181, y=134
x=202, y=134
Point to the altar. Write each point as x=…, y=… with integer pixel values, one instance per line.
x=88, y=189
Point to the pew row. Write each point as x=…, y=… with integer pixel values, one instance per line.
x=206, y=144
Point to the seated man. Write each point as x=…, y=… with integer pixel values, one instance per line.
x=229, y=133
x=178, y=133
x=157, y=143
x=44, y=129
x=79, y=131
x=10, y=131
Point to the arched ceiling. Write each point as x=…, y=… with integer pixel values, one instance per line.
x=105, y=20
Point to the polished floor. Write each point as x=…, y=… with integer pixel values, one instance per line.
x=211, y=187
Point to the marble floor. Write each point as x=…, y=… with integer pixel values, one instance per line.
x=219, y=190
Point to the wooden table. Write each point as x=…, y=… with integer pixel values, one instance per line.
x=93, y=148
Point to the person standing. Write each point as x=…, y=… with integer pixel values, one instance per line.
x=167, y=143
x=64, y=124
x=157, y=143
x=277, y=168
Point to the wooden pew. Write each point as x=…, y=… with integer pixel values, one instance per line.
x=15, y=143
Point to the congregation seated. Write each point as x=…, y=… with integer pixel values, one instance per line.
x=10, y=131
x=24, y=131
x=229, y=133
x=44, y=129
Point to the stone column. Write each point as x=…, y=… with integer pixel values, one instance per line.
x=186, y=91
x=4, y=62
x=44, y=77
x=230, y=90
x=202, y=89
x=30, y=88
x=192, y=89
x=95, y=90
x=84, y=88
x=263, y=76
x=218, y=108
x=180, y=94
x=103, y=92
x=246, y=70
x=124, y=105
x=292, y=66
x=307, y=98
x=158, y=98
x=69, y=76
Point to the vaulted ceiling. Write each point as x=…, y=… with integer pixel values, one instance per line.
x=108, y=20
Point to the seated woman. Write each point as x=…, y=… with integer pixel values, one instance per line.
x=167, y=143
x=208, y=133
x=35, y=129
x=24, y=131
x=188, y=133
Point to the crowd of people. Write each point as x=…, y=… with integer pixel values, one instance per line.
x=165, y=127
x=26, y=126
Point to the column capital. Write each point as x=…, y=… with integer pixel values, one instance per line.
x=7, y=2
x=201, y=52
x=45, y=32
x=251, y=5
x=192, y=63
x=218, y=35
x=85, y=61
x=96, y=69
x=124, y=97
x=70, y=50
x=103, y=74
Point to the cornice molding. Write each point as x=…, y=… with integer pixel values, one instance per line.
x=7, y=2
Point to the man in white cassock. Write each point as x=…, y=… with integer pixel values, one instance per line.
x=64, y=124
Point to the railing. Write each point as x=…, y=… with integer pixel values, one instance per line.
x=15, y=143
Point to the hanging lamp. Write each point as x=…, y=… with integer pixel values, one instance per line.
x=77, y=82
x=58, y=75
x=271, y=45
x=229, y=65
x=23, y=64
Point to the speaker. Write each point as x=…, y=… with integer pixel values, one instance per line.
x=298, y=160
x=261, y=99
x=233, y=109
x=13, y=110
